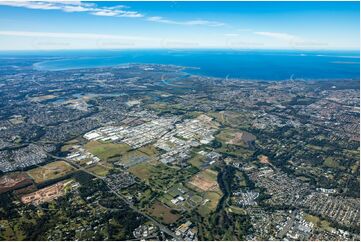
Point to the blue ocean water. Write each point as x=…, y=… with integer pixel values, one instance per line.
x=255, y=64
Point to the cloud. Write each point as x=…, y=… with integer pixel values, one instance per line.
x=76, y=6
x=159, y=19
x=232, y=35
x=94, y=9
x=279, y=36
x=69, y=35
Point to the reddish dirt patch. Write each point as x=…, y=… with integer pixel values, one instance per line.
x=14, y=181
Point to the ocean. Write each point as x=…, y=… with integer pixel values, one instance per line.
x=245, y=64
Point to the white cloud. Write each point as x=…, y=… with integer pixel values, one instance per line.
x=232, y=35
x=69, y=35
x=75, y=6
x=159, y=19
x=279, y=36
x=94, y=9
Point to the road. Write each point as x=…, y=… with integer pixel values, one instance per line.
x=160, y=226
x=288, y=226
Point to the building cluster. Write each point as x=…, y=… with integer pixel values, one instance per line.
x=283, y=189
x=266, y=224
x=187, y=231
x=117, y=181
x=145, y=231
x=338, y=110
x=211, y=157
x=245, y=198
x=345, y=211
x=78, y=154
x=175, y=139
x=22, y=157
x=190, y=133
x=295, y=227
x=136, y=136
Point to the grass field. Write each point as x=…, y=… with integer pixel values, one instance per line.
x=50, y=171
x=228, y=136
x=160, y=177
x=163, y=213
x=323, y=224
x=210, y=203
x=105, y=151
x=235, y=137
x=331, y=162
x=142, y=170
x=196, y=160
x=242, y=179
x=69, y=145
x=239, y=151
x=232, y=119
x=236, y=210
x=99, y=170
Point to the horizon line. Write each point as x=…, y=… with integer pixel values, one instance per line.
x=179, y=49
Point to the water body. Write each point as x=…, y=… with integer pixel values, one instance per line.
x=255, y=64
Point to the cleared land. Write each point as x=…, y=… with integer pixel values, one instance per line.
x=13, y=181
x=142, y=170
x=263, y=159
x=50, y=171
x=236, y=137
x=205, y=180
x=42, y=98
x=163, y=213
x=46, y=194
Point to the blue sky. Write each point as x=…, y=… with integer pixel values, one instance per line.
x=232, y=25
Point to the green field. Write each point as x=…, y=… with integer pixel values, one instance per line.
x=196, y=161
x=236, y=210
x=232, y=119
x=105, y=151
x=143, y=170
x=161, y=177
x=331, y=162
x=209, y=206
x=322, y=224
x=192, y=198
x=99, y=170
x=50, y=171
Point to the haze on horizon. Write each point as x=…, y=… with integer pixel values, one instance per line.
x=132, y=25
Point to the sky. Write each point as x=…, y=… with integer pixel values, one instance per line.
x=56, y=25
